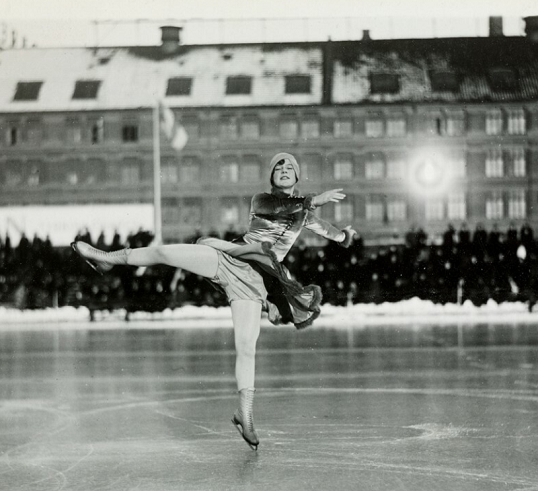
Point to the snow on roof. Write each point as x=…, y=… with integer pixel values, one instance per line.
x=136, y=77
x=130, y=78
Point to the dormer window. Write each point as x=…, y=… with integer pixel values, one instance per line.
x=298, y=84
x=444, y=81
x=503, y=79
x=384, y=83
x=179, y=86
x=27, y=91
x=86, y=89
x=240, y=85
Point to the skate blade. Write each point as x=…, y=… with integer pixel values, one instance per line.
x=93, y=266
x=240, y=430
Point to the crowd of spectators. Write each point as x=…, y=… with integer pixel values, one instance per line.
x=461, y=264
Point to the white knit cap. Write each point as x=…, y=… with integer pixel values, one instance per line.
x=287, y=158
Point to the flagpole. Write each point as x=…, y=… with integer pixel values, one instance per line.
x=157, y=219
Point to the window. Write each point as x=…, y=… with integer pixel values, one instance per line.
x=457, y=206
x=229, y=172
x=250, y=172
x=517, y=204
x=375, y=168
x=435, y=209
x=130, y=173
x=384, y=83
x=516, y=156
x=229, y=211
x=297, y=84
x=343, y=168
x=129, y=133
x=395, y=169
x=343, y=211
x=374, y=128
x=13, y=135
x=310, y=129
x=343, y=128
x=228, y=129
x=86, y=89
x=396, y=210
x=311, y=168
x=190, y=212
x=27, y=91
x=240, y=85
x=458, y=166
x=189, y=171
x=289, y=129
x=169, y=173
x=73, y=131
x=494, y=122
x=192, y=127
x=396, y=126
x=170, y=210
x=33, y=176
x=444, y=81
x=71, y=177
x=180, y=86
x=13, y=176
x=454, y=124
x=503, y=79
x=516, y=122
x=97, y=129
x=494, y=163
x=34, y=131
x=374, y=208
x=494, y=205
x=250, y=130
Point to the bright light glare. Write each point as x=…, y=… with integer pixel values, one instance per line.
x=429, y=174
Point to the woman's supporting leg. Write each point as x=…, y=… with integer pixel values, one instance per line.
x=246, y=316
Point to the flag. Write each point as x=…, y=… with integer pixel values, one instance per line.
x=174, y=131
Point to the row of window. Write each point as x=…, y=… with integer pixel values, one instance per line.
x=500, y=80
x=177, y=86
x=376, y=208
x=509, y=162
x=497, y=122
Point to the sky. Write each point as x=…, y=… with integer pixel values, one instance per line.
x=72, y=22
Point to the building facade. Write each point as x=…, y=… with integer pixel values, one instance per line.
x=417, y=132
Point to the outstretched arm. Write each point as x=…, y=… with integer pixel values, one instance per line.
x=328, y=231
x=325, y=229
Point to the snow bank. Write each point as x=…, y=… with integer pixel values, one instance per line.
x=413, y=311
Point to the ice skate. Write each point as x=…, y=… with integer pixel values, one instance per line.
x=242, y=418
x=98, y=260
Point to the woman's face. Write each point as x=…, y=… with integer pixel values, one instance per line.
x=284, y=176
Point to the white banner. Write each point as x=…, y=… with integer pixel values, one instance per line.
x=62, y=223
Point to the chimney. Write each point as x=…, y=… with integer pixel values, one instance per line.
x=366, y=35
x=170, y=38
x=531, y=28
x=496, y=27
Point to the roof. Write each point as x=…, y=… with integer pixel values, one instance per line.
x=478, y=70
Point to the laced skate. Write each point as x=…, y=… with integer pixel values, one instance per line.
x=98, y=260
x=243, y=420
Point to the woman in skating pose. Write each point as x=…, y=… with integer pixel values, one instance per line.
x=249, y=270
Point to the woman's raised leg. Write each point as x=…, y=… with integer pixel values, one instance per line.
x=196, y=258
x=246, y=315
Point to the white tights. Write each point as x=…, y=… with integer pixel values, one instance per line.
x=203, y=260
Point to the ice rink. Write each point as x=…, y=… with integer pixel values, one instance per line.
x=429, y=407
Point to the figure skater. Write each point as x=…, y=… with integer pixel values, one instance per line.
x=249, y=270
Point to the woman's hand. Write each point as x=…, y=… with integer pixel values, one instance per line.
x=334, y=195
